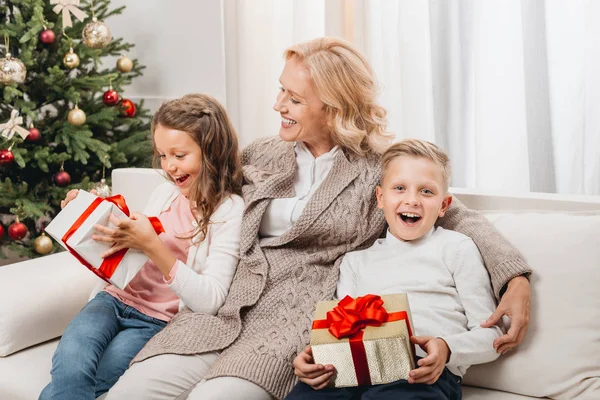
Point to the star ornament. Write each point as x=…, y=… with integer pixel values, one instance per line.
x=13, y=126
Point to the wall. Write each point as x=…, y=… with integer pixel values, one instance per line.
x=179, y=41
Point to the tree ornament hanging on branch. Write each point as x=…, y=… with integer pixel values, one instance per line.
x=42, y=244
x=71, y=59
x=17, y=230
x=11, y=69
x=96, y=34
x=1, y=231
x=76, y=116
x=124, y=64
x=128, y=108
x=47, y=36
x=62, y=177
x=6, y=157
x=111, y=97
x=102, y=187
x=34, y=135
x=13, y=125
x=68, y=7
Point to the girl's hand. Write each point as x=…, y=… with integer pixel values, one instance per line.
x=316, y=376
x=431, y=367
x=71, y=194
x=135, y=232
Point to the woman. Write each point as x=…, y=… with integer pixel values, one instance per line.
x=309, y=197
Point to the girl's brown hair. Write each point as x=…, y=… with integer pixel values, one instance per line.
x=207, y=123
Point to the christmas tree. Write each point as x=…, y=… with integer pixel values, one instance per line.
x=63, y=121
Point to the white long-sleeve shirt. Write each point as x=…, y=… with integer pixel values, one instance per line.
x=281, y=214
x=448, y=290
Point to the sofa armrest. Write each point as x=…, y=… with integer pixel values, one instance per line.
x=39, y=297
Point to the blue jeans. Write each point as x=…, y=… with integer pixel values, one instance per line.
x=96, y=348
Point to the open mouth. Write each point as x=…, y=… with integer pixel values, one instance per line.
x=181, y=179
x=410, y=218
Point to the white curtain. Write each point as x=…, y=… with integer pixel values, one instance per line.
x=510, y=88
x=256, y=34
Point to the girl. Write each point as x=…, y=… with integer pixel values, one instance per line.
x=191, y=264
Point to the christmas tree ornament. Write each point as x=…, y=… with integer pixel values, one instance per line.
x=111, y=97
x=13, y=125
x=6, y=157
x=42, y=244
x=47, y=36
x=34, y=135
x=124, y=64
x=17, y=230
x=128, y=108
x=96, y=34
x=68, y=7
x=76, y=116
x=1, y=231
x=71, y=59
x=11, y=69
x=62, y=178
x=102, y=188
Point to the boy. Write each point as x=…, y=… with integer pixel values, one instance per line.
x=441, y=271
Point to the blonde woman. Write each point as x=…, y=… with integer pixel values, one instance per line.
x=309, y=195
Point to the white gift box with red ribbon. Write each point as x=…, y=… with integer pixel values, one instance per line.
x=73, y=228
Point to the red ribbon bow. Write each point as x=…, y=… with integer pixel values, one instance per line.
x=349, y=319
x=110, y=263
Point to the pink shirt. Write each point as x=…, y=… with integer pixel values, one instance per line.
x=148, y=292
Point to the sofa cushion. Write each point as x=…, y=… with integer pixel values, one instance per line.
x=559, y=357
x=47, y=292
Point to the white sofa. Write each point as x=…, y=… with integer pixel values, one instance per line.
x=560, y=357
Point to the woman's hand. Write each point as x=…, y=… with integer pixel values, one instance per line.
x=431, y=367
x=71, y=194
x=514, y=304
x=135, y=232
x=316, y=376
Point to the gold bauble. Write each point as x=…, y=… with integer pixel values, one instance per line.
x=42, y=244
x=71, y=60
x=124, y=64
x=76, y=117
x=102, y=188
x=96, y=34
x=12, y=70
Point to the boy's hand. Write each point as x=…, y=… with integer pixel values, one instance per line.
x=514, y=304
x=431, y=367
x=314, y=375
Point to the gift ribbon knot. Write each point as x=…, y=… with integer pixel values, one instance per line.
x=110, y=263
x=349, y=319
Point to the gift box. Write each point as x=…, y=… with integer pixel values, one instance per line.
x=366, y=339
x=73, y=228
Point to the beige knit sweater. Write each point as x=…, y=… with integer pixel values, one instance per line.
x=267, y=315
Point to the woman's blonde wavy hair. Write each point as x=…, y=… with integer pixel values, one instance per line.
x=207, y=123
x=343, y=80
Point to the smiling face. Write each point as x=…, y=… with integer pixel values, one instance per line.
x=303, y=117
x=180, y=156
x=412, y=195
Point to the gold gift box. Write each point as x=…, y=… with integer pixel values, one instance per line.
x=389, y=352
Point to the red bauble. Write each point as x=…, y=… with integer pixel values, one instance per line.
x=6, y=157
x=1, y=231
x=111, y=97
x=34, y=135
x=17, y=230
x=128, y=108
x=62, y=178
x=47, y=36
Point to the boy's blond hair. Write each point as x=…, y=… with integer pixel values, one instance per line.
x=418, y=148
